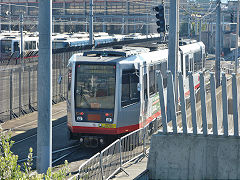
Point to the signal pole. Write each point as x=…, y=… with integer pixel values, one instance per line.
x=91, y=22
x=237, y=34
x=173, y=47
x=217, y=44
x=44, y=129
x=21, y=44
x=173, y=40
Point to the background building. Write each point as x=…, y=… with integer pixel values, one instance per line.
x=122, y=16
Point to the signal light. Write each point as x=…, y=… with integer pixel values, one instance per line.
x=161, y=18
x=231, y=17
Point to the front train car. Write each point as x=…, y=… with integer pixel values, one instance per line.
x=93, y=97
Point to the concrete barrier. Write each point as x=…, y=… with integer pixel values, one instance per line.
x=179, y=156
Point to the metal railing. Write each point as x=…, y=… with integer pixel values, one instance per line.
x=194, y=120
x=113, y=158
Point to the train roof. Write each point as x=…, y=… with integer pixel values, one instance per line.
x=189, y=48
x=132, y=54
x=117, y=51
x=108, y=55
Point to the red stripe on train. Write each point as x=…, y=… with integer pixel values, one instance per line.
x=120, y=130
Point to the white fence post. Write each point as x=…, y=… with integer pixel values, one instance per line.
x=162, y=103
x=192, y=99
x=224, y=104
x=171, y=97
x=182, y=103
x=203, y=104
x=101, y=165
x=235, y=104
x=213, y=100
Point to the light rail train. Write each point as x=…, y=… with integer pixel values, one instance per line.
x=114, y=91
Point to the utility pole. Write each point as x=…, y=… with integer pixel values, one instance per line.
x=91, y=22
x=44, y=129
x=10, y=18
x=53, y=19
x=0, y=18
x=173, y=39
x=200, y=29
x=237, y=34
x=217, y=44
x=147, y=25
x=173, y=47
x=122, y=25
x=21, y=45
x=189, y=26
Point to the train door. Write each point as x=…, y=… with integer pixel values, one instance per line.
x=144, y=92
x=16, y=47
x=186, y=65
x=69, y=95
x=191, y=62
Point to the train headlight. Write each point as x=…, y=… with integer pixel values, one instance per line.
x=79, y=118
x=108, y=119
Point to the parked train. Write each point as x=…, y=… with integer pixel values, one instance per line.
x=11, y=45
x=114, y=91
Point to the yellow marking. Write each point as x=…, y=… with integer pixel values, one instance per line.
x=19, y=132
x=54, y=119
x=107, y=125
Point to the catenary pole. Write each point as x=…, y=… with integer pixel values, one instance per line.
x=173, y=45
x=217, y=44
x=91, y=22
x=21, y=43
x=44, y=130
x=237, y=34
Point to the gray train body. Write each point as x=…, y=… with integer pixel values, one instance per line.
x=114, y=91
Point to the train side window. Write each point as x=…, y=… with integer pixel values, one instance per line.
x=30, y=45
x=69, y=83
x=145, y=86
x=26, y=46
x=125, y=89
x=34, y=44
x=203, y=59
x=16, y=47
x=187, y=64
x=182, y=63
x=152, y=88
x=197, y=60
x=134, y=93
x=164, y=73
x=130, y=94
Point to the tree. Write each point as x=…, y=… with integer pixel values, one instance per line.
x=10, y=169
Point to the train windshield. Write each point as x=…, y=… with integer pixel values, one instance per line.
x=6, y=46
x=95, y=86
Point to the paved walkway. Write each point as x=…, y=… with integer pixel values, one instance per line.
x=29, y=121
x=134, y=169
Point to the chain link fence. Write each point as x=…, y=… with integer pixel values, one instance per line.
x=18, y=90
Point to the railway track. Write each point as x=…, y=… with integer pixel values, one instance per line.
x=63, y=149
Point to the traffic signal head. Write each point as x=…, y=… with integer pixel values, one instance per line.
x=161, y=18
x=231, y=17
